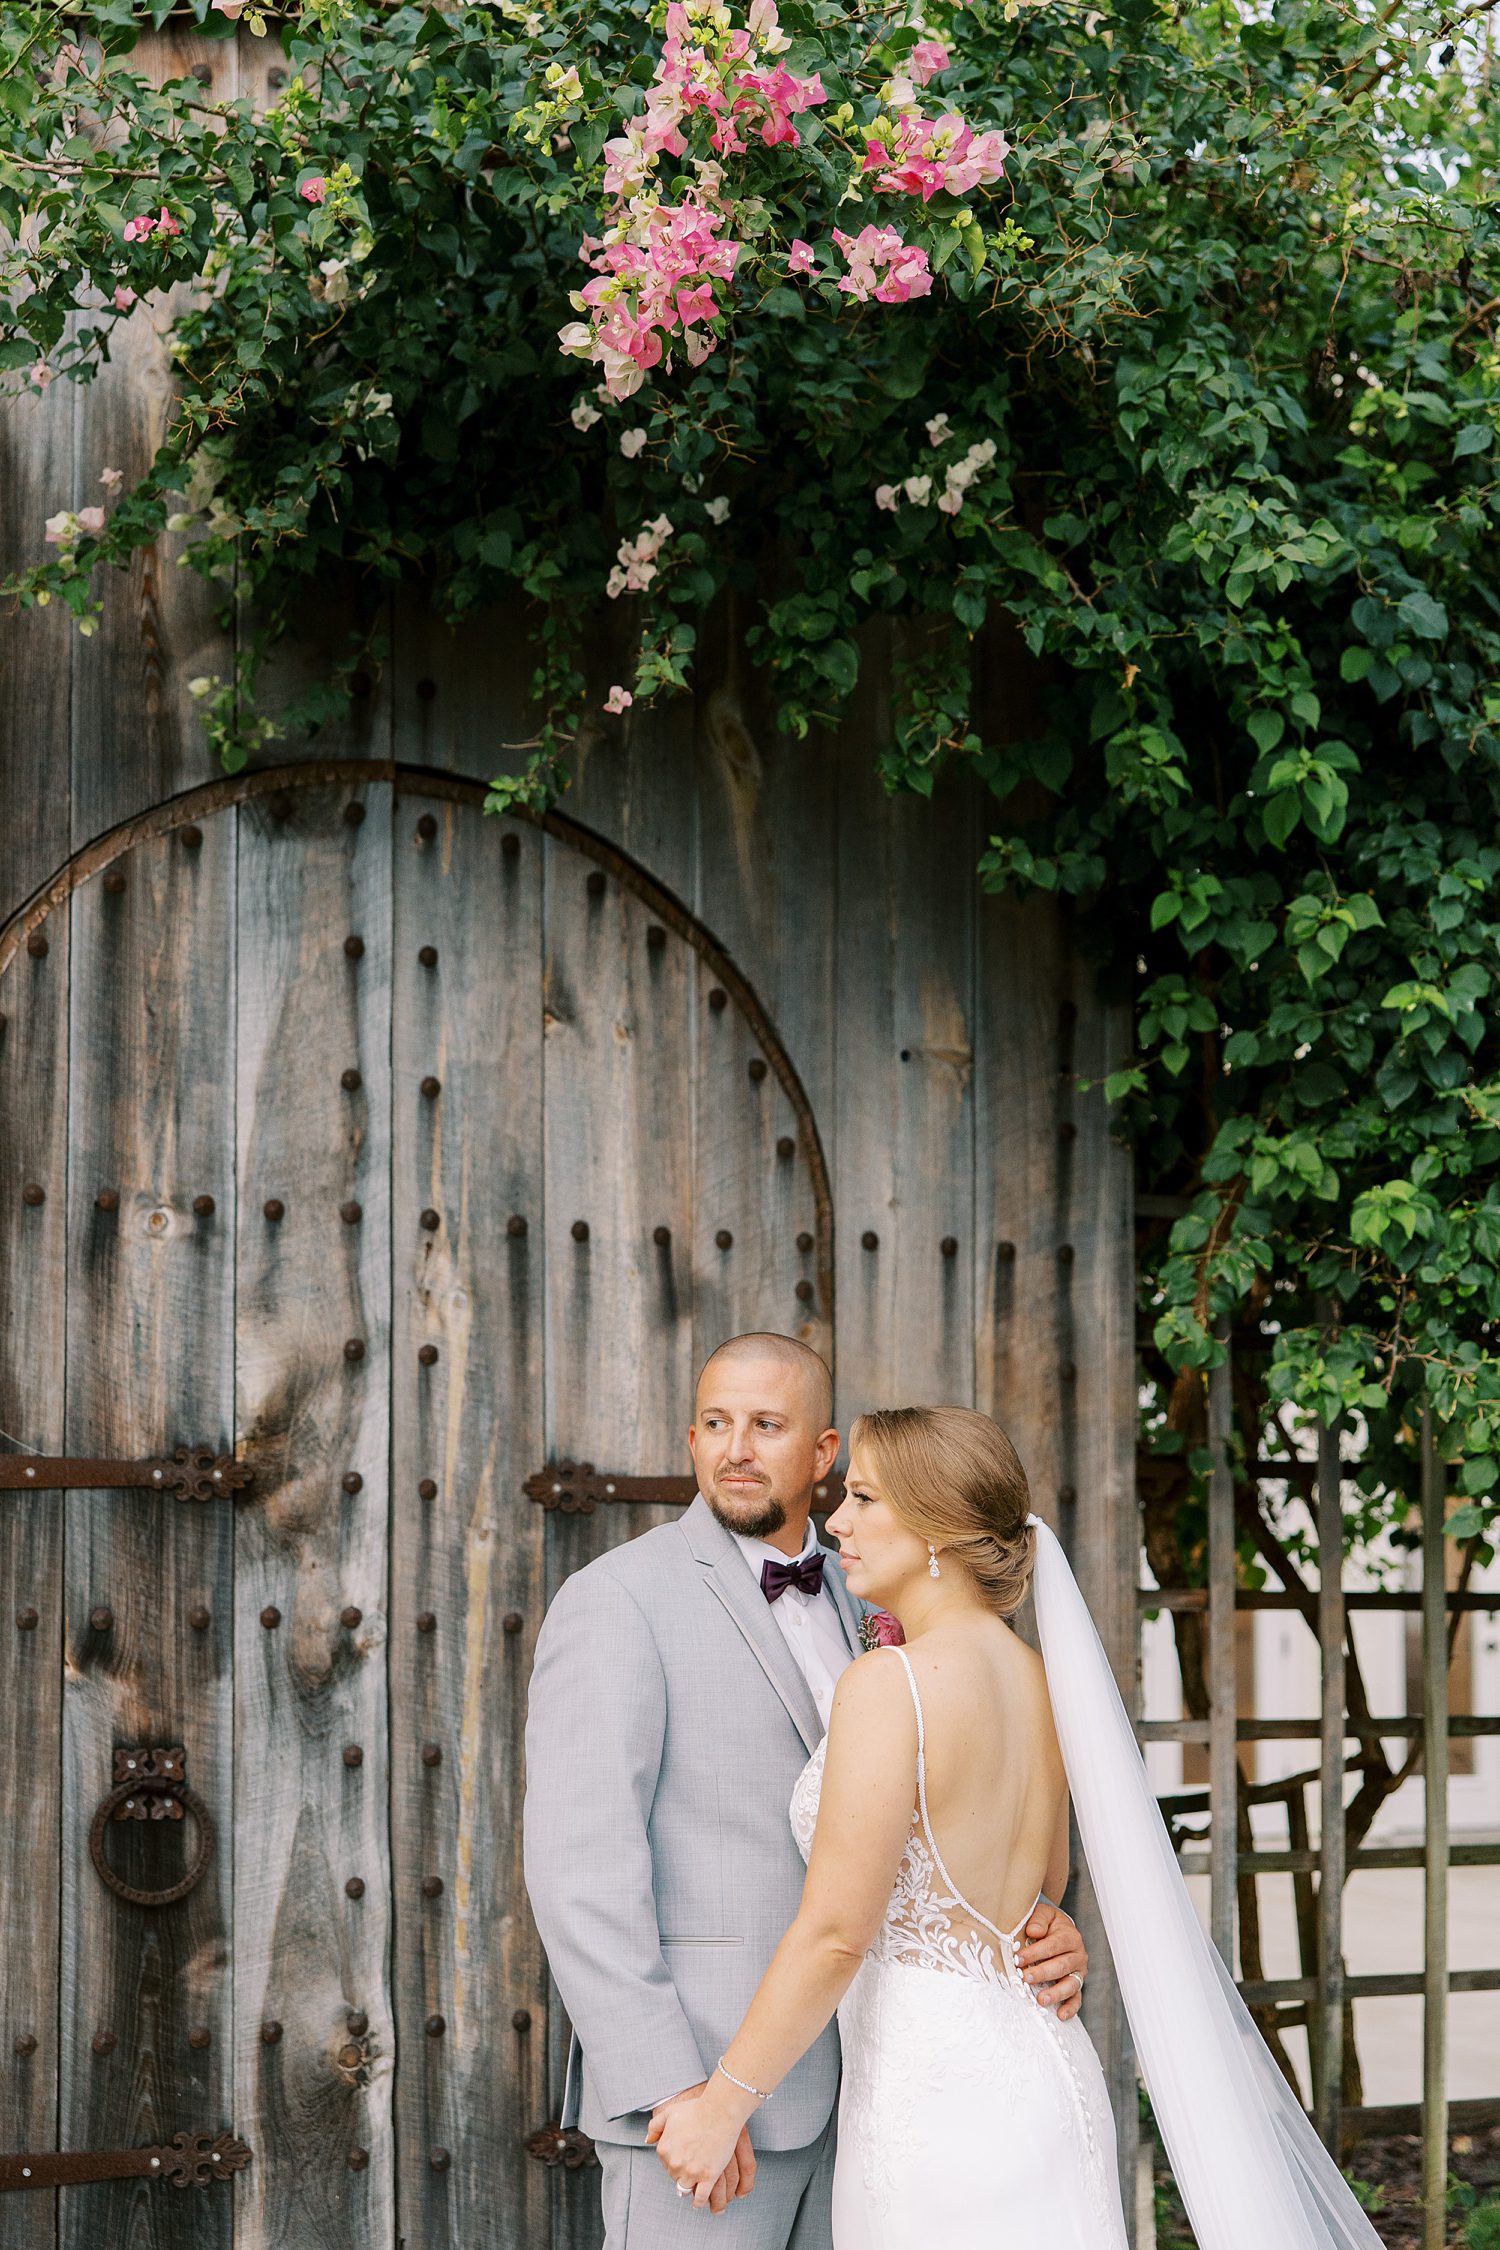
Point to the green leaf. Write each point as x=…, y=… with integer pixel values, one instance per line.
x=1281, y=815
x=1424, y=615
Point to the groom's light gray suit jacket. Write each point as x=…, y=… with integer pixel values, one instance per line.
x=668, y=1722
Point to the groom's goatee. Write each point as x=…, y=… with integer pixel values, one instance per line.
x=757, y=1519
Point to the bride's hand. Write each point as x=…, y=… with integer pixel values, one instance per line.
x=1053, y=1960
x=706, y=2151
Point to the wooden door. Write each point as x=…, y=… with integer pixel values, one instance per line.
x=397, y=1151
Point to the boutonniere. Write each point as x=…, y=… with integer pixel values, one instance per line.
x=878, y=1629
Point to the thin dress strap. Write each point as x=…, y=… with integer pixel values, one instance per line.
x=1007, y=1937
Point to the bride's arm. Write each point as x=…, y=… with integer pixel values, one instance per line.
x=1057, y=1863
x=864, y=1816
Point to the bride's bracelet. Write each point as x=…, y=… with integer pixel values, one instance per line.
x=740, y=2082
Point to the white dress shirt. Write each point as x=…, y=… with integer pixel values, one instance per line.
x=810, y=1623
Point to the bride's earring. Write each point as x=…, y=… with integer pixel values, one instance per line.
x=932, y=1561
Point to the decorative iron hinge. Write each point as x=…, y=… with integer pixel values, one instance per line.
x=187, y=2160
x=561, y=2144
x=576, y=1488
x=194, y=1472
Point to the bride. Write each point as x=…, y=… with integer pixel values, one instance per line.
x=932, y=1815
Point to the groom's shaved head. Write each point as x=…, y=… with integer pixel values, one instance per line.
x=782, y=1351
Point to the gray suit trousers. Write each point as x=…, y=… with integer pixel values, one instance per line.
x=789, y=2208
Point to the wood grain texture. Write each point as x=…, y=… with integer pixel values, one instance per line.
x=137, y=733
x=469, y=1559
x=1023, y=1290
x=33, y=1374
x=753, y=1182
x=1102, y=1438
x=617, y=1134
x=307, y=1956
x=150, y=1307
x=1054, y=1338
x=36, y=645
x=458, y=697
x=767, y=867
x=903, y=1135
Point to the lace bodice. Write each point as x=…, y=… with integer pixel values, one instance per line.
x=928, y=1922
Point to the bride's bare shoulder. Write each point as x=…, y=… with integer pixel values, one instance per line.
x=877, y=1676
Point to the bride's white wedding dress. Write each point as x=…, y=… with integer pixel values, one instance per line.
x=969, y=2117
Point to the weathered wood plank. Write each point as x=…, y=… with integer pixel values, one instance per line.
x=33, y=1363
x=467, y=1588
x=137, y=733
x=459, y=693
x=1223, y=1754
x=903, y=1136
x=310, y=1686
x=755, y=1211
x=1054, y=1345
x=767, y=861
x=1024, y=1324
x=150, y=1297
x=462, y=705
x=36, y=646
x=1100, y=1412
x=617, y=1127
x=1435, y=1872
x=1326, y=2045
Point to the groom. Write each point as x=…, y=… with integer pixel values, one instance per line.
x=681, y=1683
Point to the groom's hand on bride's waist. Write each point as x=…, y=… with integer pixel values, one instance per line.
x=738, y=2175
x=1053, y=1960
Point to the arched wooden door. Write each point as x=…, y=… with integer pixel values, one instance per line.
x=395, y=1150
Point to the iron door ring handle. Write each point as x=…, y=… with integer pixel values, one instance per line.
x=190, y=1802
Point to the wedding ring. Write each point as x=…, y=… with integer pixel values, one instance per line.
x=683, y=2190
x=1077, y=1979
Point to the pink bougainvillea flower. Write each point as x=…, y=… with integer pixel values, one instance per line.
x=926, y=59
x=882, y=266
x=765, y=28
x=908, y=275
x=776, y=97
x=63, y=529
x=166, y=224
x=39, y=373
x=696, y=303
x=923, y=155
x=618, y=699
x=959, y=475
x=635, y=560
x=653, y=285
x=136, y=230
x=977, y=163
x=886, y=497
x=109, y=478
x=124, y=298
x=313, y=190
x=661, y=273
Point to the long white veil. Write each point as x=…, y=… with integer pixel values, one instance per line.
x=1252, y=2173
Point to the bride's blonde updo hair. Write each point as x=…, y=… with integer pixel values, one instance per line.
x=954, y=1478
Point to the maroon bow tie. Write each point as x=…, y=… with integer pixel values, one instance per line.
x=806, y=1574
